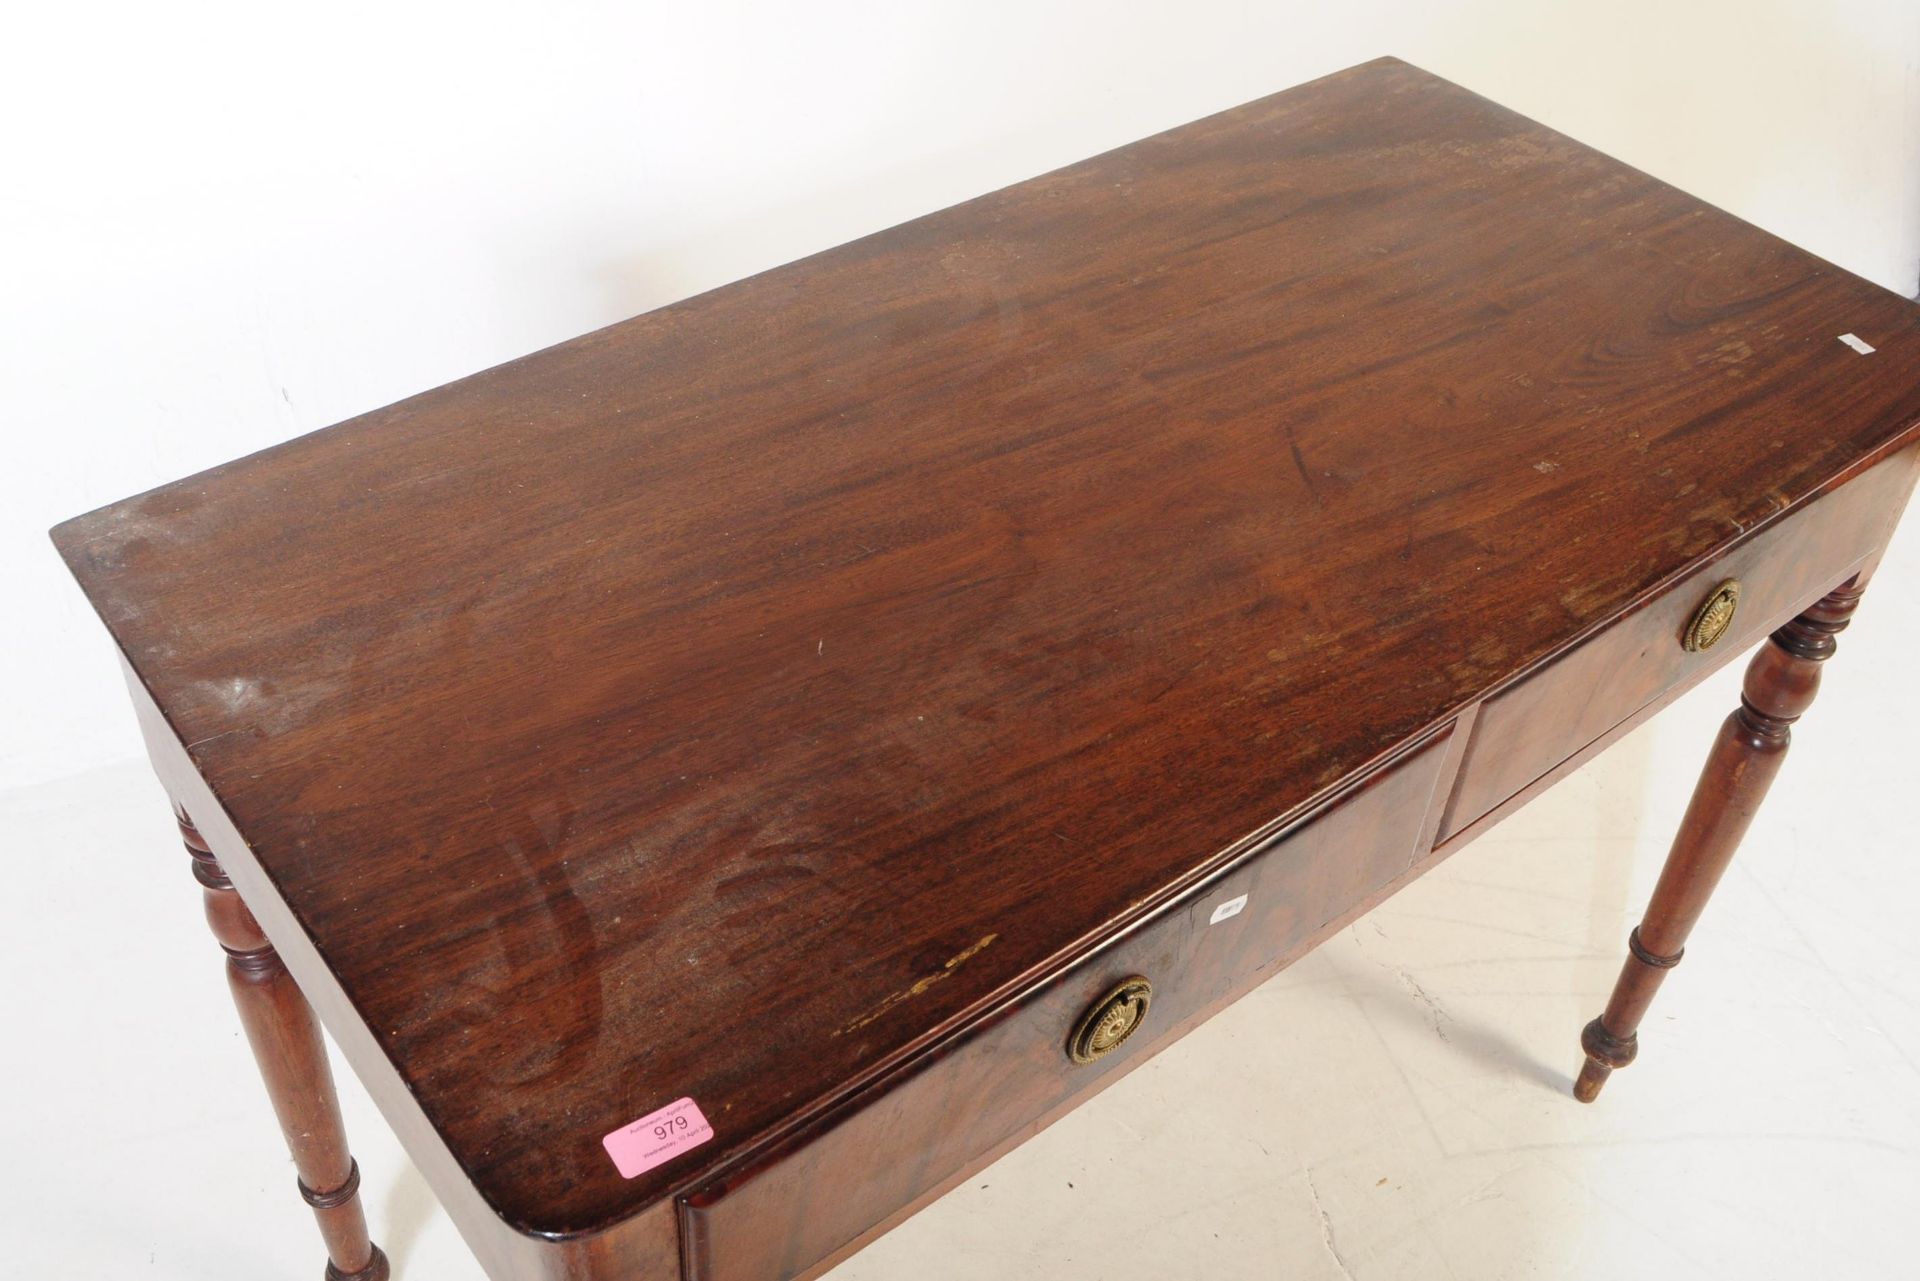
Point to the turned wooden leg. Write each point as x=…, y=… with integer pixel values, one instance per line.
x=1780, y=684
x=286, y=1040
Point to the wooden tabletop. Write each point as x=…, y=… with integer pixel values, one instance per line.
x=728, y=703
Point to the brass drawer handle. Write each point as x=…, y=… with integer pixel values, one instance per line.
x=1111, y=1020
x=1714, y=617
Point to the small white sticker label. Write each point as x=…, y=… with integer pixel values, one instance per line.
x=1227, y=910
x=1858, y=343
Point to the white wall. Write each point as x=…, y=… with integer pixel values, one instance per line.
x=223, y=227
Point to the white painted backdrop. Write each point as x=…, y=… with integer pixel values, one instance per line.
x=225, y=224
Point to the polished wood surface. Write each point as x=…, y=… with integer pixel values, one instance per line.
x=763, y=698
x=1543, y=720
x=821, y=1191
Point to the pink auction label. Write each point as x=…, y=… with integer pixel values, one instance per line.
x=657, y=1137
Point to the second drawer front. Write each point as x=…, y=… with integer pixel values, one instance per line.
x=1002, y=1082
x=1524, y=732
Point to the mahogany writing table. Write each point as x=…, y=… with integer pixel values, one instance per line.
x=723, y=779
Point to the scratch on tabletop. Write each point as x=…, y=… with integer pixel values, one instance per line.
x=907, y=994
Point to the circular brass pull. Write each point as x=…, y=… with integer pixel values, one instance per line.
x=1713, y=618
x=1111, y=1020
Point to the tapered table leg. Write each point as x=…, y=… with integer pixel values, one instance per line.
x=286, y=1040
x=1780, y=684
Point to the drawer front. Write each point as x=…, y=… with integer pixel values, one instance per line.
x=879, y=1159
x=1527, y=730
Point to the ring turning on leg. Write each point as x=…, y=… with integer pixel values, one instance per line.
x=1780, y=685
x=287, y=1043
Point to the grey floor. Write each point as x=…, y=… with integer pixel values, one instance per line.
x=1394, y=1106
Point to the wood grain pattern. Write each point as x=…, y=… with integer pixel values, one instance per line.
x=642, y=718
x=798, y=1206
x=1546, y=719
x=860, y=1170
